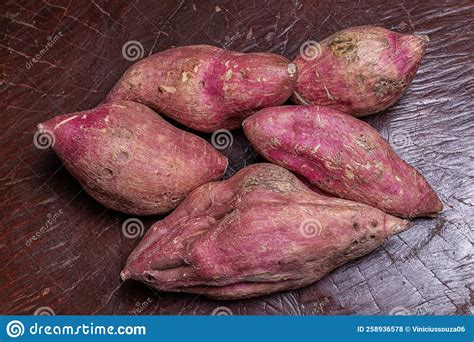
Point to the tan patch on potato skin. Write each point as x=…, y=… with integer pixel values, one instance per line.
x=387, y=87
x=344, y=45
x=243, y=237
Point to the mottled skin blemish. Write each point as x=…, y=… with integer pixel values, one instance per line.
x=245, y=237
x=207, y=88
x=360, y=71
x=386, y=87
x=344, y=45
x=351, y=161
x=129, y=159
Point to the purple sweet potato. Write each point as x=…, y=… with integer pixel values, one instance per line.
x=207, y=88
x=259, y=232
x=359, y=71
x=129, y=159
x=343, y=156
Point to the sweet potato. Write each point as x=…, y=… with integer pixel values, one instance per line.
x=207, y=88
x=343, y=156
x=259, y=232
x=129, y=159
x=359, y=71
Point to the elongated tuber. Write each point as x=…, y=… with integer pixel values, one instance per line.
x=343, y=156
x=207, y=88
x=259, y=232
x=359, y=71
x=129, y=159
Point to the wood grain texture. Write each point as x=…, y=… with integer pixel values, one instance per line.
x=73, y=265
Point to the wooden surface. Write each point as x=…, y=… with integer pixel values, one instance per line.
x=73, y=265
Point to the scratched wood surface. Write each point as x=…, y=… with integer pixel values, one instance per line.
x=61, y=252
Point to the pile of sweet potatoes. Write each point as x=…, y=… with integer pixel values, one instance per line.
x=265, y=229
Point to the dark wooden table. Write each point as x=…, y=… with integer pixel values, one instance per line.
x=62, y=252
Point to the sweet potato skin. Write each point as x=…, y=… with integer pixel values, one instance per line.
x=259, y=232
x=129, y=159
x=360, y=70
x=207, y=88
x=343, y=156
